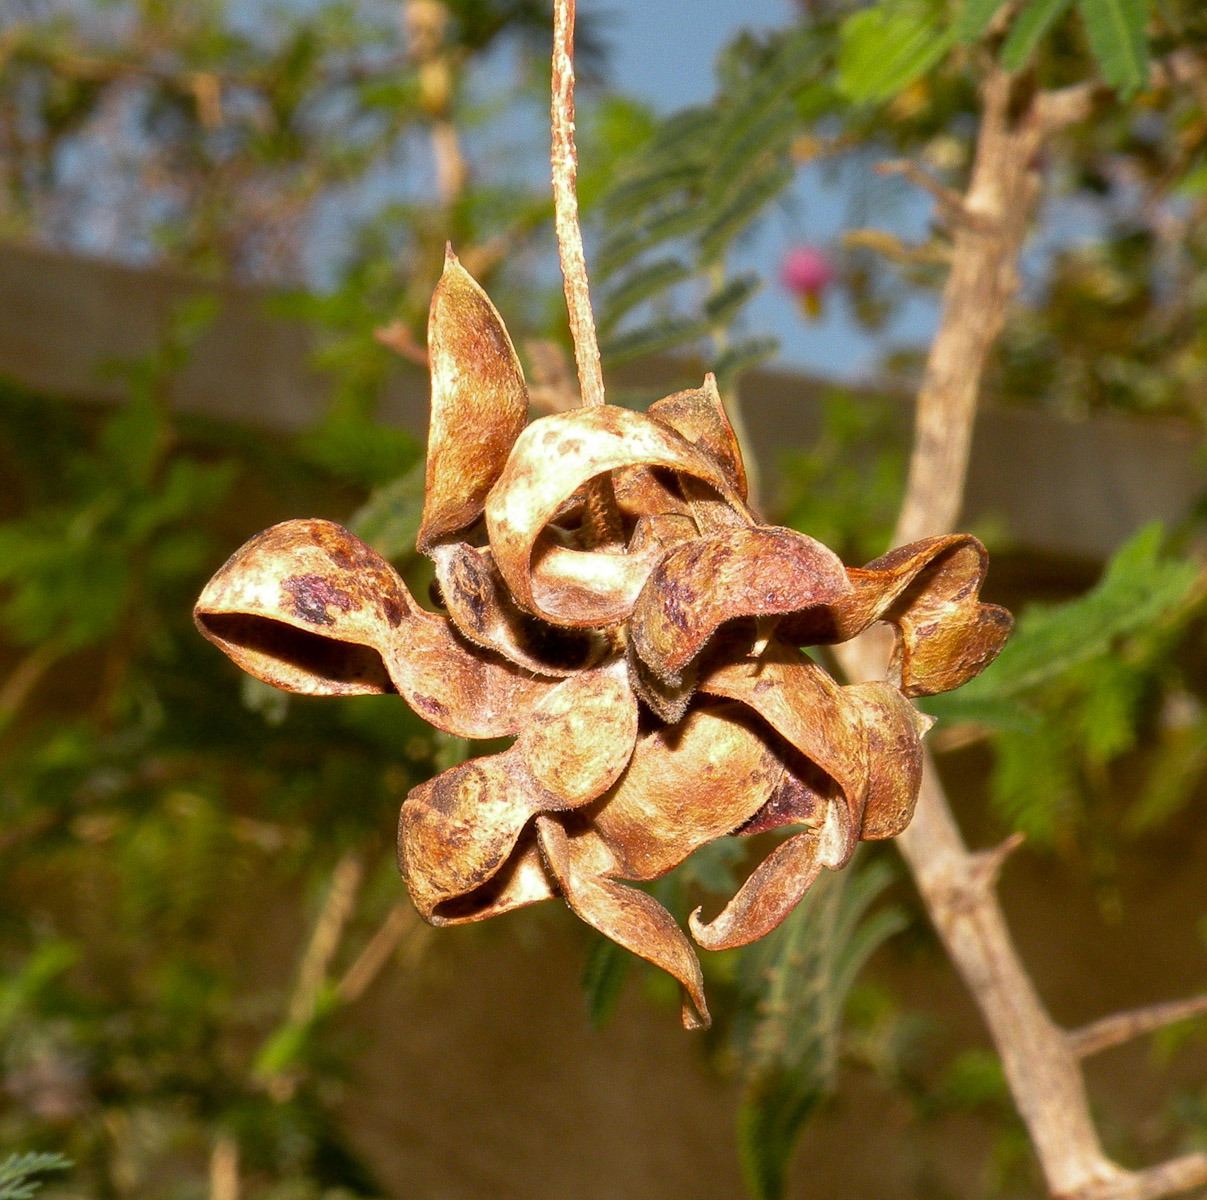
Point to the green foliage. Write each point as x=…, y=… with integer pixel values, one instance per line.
x=886, y=47
x=162, y=805
x=845, y=489
x=131, y=509
x=974, y=19
x=18, y=1171
x=389, y=519
x=682, y=201
x=1031, y=24
x=1116, y=32
x=1071, y=690
x=789, y=1033
x=151, y=808
x=603, y=979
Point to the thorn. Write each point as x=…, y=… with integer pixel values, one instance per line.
x=987, y=864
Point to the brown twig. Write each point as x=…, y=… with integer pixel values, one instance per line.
x=224, y=1168
x=324, y=941
x=25, y=676
x=397, y=337
x=426, y=23
x=1122, y=1027
x=400, y=921
x=550, y=379
x=564, y=160
x=950, y=202
x=1041, y=1062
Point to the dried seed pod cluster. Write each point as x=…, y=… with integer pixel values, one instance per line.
x=614, y=605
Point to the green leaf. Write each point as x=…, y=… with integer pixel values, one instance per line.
x=625, y=245
x=769, y=132
x=389, y=519
x=721, y=306
x=885, y=48
x=743, y=355
x=732, y=219
x=603, y=979
x=1029, y=26
x=974, y=18
x=772, y=1112
x=1034, y=785
x=641, y=285
x=1180, y=765
x=44, y=965
x=16, y=1171
x=655, y=338
x=801, y=975
x=1116, y=32
x=633, y=196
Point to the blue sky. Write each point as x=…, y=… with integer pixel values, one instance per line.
x=664, y=54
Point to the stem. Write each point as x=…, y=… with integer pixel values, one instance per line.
x=401, y=921
x=337, y=910
x=564, y=161
x=1123, y=1027
x=25, y=676
x=224, y=1168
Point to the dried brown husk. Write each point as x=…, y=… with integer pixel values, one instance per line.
x=623, y=570
x=306, y=606
x=479, y=403
x=459, y=829
x=749, y=572
x=929, y=590
x=552, y=459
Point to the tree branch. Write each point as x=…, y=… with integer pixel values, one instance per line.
x=983, y=279
x=1041, y=1062
x=950, y=202
x=1123, y=1027
x=401, y=921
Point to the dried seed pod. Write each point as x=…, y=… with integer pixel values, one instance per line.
x=309, y=608
x=479, y=403
x=623, y=571
x=551, y=460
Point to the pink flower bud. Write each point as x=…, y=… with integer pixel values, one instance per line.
x=806, y=271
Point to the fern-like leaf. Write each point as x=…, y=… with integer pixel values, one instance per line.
x=802, y=974
x=746, y=203
x=17, y=1173
x=603, y=978
x=886, y=47
x=741, y=356
x=1116, y=32
x=1137, y=588
x=638, y=287
x=974, y=19
x=1029, y=27
x=666, y=334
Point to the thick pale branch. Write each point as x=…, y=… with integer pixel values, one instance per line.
x=1168, y=1179
x=1041, y=1062
x=983, y=279
x=1123, y=1027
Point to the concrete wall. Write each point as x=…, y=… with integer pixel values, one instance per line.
x=1052, y=486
